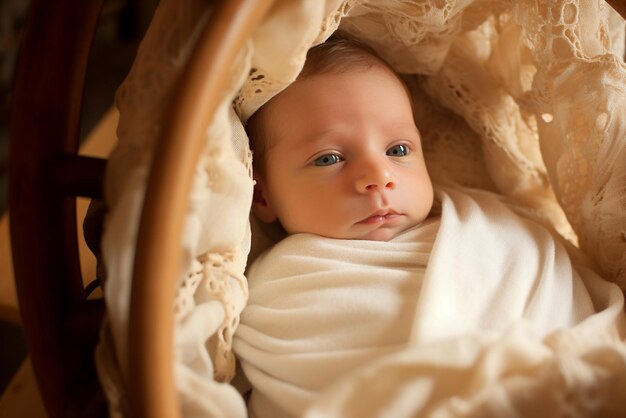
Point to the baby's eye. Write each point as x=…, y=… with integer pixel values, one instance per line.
x=326, y=160
x=398, y=151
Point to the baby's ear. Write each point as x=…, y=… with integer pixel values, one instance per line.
x=260, y=204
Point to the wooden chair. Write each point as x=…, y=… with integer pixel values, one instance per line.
x=45, y=175
x=61, y=326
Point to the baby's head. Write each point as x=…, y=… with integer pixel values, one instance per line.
x=337, y=153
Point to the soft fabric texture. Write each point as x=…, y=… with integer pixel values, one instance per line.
x=524, y=98
x=320, y=308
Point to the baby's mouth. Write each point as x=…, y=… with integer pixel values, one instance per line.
x=380, y=217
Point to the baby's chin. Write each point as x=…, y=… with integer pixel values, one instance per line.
x=381, y=233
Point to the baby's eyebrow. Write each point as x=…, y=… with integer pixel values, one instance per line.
x=318, y=136
x=396, y=130
x=402, y=125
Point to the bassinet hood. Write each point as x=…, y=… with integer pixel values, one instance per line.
x=508, y=97
x=525, y=98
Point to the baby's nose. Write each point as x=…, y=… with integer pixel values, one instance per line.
x=373, y=178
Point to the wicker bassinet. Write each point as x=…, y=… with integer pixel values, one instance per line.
x=496, y=80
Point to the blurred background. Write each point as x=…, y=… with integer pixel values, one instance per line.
x=122, y=25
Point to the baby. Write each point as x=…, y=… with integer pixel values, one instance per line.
x=339, y=164
x=345, y=162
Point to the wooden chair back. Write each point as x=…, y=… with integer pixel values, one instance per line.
x=46, y=174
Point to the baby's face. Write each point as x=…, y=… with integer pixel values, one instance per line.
x=344, y=159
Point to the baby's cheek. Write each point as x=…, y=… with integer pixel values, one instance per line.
x=296, y=215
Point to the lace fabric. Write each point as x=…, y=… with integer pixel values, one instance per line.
x=525, y=98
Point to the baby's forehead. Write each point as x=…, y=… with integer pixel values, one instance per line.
x=314, y=108
x=272, y=119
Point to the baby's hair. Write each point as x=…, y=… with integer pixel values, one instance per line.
x=339, y=54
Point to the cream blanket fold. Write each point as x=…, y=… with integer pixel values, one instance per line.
x=321, y=308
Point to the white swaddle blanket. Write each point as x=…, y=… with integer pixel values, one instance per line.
x=320, y=308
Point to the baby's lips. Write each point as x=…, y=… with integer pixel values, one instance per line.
x=380, y=216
